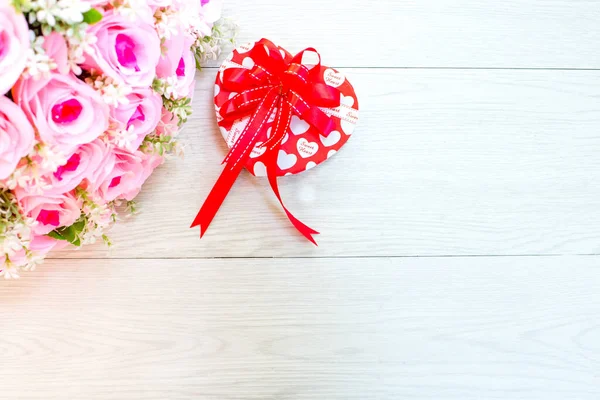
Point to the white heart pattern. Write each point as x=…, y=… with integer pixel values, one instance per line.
x=331, y=153
x=298, y=126
x=232, y=95
x=286, y=161
x=285, y=138
x=306, y=149
x=258, y=151
x=332, y=139
x=248, y=63
x=217, y=90
x=260, y=169
x=347, y=127
x=245, y=48
x=347, y=100
x=310, y=165
x=333, y=78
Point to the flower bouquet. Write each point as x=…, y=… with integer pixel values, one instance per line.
x=92, y=96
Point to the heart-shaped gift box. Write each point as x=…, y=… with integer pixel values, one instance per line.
x=303, y=147
x=280, y=115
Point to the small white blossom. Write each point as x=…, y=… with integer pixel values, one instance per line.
x=9, y=272
x=168, y=21
x=111, y=91
x=33, y=260
x=78, y=45
x=132, y=9
x=38, y=63
x=124, y=138
x=52, y=12
x=50, y=159
x=98, y=219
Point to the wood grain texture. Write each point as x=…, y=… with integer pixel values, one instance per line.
x=443, y=163
x=448, y=159
x=430, y=33
x=519, y=328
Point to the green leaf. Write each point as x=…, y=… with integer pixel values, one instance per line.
x=92, y=16
x=69, y=233
x=56, y=235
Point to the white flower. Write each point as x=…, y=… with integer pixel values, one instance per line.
x=10, y=245
x=111, y=91
x=168, y=21
x=51, y=12
x=132, y=9
x=99, y=218
x=9, y=272
x=168, y=87
x=124, y=138
x=33, y=260
x=50, y=158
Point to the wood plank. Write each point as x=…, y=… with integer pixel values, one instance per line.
x=424, y=328
x=430, y=33
x=442, y=163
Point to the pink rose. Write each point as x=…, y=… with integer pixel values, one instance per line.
x=179, y=62
x=129, y=174
x=56, y=48
x=142, y=114
x=83, y=164
x=127, y=51
x=65, y=111
x=14, y=44
x=16, y=136
x=50, y=211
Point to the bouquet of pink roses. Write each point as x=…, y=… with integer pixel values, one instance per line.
x=92, y=95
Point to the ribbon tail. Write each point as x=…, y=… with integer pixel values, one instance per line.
x=235, y=162
x=305, y=230
x=284, y=114
x=215, y=199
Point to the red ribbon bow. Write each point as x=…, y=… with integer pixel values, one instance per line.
x=273, y=83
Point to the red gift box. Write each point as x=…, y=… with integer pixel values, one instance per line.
x=280, y=115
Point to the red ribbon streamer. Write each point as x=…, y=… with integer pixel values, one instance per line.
x=291, y=88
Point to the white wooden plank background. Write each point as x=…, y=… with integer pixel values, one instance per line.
x=424, y=328
x=459, y=255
